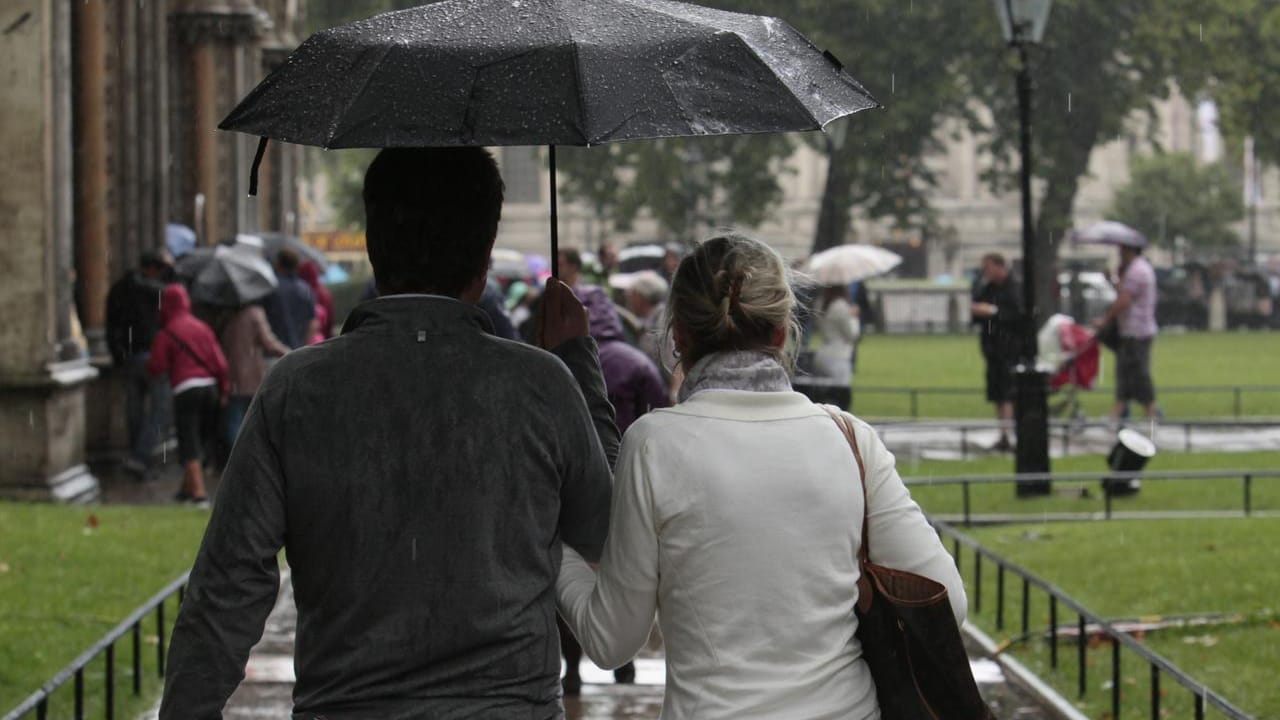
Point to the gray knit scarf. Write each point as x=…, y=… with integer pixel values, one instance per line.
x=735, y=370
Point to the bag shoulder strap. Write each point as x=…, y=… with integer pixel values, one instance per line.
x=846, y=427
x=191, y=352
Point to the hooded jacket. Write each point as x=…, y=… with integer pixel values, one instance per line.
x=185, y=347
x=634, y=384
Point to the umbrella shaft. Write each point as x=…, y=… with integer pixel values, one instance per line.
x=555, y=224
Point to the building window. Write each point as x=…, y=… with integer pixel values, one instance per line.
x=522, y=173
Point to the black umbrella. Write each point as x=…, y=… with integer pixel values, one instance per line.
x=553, y=72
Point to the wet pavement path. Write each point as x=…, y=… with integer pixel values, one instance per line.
x=266, y=690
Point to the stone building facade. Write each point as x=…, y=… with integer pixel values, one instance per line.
x=110, y=119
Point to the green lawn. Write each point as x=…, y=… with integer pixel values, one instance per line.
x=1178, y=360
x=1226, y=493
x=65, y=583
x=1139, y=568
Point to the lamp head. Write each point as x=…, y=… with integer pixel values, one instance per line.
x=1023, y=21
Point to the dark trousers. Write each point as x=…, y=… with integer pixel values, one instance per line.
x=147, y=401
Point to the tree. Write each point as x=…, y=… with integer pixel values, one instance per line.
x=1169, y=196
x=1100, y=62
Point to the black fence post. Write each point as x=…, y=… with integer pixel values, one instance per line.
x=42, y=709
x=1115, y=679
x=1248, y=500
x=1053, y=631
x=1081, y=657
x=955, y=552
x=79, y=694
x=160, y=638
x=110, y=697
x=1199, y=706
x=137, y=658
x=965, y=489
x=977, y=581
x=999, y=596
x=1026, y=604
x=1155, y=692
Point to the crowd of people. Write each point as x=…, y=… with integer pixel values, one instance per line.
x=194, y=371
x=442, y=492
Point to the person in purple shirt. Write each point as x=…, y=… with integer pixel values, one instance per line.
x=1135, y=312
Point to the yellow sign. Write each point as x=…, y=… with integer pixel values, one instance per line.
x=335, y=240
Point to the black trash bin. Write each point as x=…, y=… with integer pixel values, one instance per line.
x=1130, y=454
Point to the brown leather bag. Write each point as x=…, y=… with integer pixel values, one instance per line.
x=909, y=635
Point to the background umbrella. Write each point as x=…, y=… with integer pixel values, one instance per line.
x=554, y=72
x=1110, y=232
x=179, y=239
x=844, y=264
x=273, y=242
x=226, y=276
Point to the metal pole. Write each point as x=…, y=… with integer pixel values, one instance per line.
x=1031, y=407
x=555, y=222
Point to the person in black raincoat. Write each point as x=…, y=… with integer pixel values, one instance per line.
x=997, y=311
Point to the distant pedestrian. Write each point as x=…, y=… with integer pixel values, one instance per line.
x=292, y=307
x=647, y=300
x=322, y=322
x=420, y=475
x=245, y=338
x=1134, y=310
x=186, y=348
x=737, y=517
x=837, y=328
x=133, y=317
x=997, y=311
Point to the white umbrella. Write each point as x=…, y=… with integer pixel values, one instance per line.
x=1110, y=232
x=846, y=263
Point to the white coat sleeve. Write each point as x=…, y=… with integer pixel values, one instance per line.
x=612, y=612
x=898, y=533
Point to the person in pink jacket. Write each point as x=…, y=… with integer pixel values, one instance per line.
x=187, y=349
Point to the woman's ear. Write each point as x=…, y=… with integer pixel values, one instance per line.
x=778, y=338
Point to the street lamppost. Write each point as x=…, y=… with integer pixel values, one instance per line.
x=1022, y=22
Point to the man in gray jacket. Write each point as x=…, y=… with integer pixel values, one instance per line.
x=420, y=474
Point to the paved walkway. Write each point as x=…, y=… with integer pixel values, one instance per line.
x=266, y=691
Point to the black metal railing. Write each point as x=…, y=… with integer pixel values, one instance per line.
x=1160, y=667
x=38, y=701
x=1066, y=432
x=1246, y=476
x=914, y=394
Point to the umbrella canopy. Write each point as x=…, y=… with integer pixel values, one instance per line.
x=1110, y=232
x=274, y=242
x=179, y=239
x=844, y=264
x=546, y=72
x=226, y=276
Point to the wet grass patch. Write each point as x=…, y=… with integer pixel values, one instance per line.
x=68, y=575
x=1138, y=569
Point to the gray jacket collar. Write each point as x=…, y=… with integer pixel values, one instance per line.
x=432, y=314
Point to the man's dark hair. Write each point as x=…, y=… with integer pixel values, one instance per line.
x=432, y=215
x=994, y=258
x=287, y=259
x=153, y=260
x=572, y=256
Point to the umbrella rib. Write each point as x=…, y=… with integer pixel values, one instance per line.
x=333, y=132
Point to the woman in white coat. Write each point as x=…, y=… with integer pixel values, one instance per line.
x=737, y=518
x=838, y=329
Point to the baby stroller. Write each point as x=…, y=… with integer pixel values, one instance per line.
x=1069, y=352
